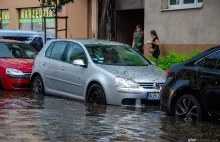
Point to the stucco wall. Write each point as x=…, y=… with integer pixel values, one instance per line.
x=185, y=29
x=77, y=13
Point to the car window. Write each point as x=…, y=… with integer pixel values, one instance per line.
x=37, y=43
x=16, y=50
x=210, y=61
x=74, y=52
x=120, y=55
x=49, y=49
x=58, y=50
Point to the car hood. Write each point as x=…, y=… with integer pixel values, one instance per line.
x=24, y=65
x=137, y=73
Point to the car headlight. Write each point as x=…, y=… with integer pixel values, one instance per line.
x=10, y=71
x=125, y=83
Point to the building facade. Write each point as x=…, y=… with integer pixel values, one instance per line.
x=27, y=15
x=183, y=25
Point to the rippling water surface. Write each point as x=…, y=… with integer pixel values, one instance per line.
x=28, y=118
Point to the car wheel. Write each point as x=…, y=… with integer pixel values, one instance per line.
x=188, y=108
x=96, y=95
x=37, y=86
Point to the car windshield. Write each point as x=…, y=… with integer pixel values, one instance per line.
x=16, y=50
x=120, y=55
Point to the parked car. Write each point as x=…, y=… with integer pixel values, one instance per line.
x=96, y=71
x=16, y=61
x=34, y=38
x=192, y=88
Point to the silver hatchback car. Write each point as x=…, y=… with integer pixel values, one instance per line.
x=96, y=71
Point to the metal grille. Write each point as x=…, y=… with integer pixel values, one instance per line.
x=147, y=85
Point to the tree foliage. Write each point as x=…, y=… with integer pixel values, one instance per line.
x=165, y=62
x=49, y=3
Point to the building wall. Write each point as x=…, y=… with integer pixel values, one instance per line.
x=77, y=13
x=183, y=30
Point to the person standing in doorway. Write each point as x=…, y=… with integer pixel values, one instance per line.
x=138, y=39
x=154, y=45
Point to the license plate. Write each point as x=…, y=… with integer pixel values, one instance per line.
x=153, y=96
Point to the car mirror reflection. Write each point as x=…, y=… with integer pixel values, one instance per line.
x=79, y=62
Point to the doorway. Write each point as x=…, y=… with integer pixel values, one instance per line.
x=126, y=22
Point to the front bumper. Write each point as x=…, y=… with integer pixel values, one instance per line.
x=16, y=83
x=128, y=96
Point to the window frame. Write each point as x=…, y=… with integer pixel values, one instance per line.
x=66, y=51
x=1, y=25
x=50, y=46
x=203, y=58
x=61, y=59
x=196, y=4
x=32, y=23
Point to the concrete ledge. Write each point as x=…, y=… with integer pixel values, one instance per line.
x=182, y=8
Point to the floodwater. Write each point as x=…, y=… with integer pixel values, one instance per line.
x=26, y=118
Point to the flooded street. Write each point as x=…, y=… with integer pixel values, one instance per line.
x=24, y=119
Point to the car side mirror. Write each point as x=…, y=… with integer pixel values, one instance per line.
x=79, y=62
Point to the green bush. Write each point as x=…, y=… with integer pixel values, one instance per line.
x=165, y=62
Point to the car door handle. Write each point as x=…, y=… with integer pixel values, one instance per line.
x=206, y=77
x=44, y=64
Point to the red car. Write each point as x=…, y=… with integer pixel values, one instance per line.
x=16, y=61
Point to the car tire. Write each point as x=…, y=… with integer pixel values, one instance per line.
x=188, y=108
x=37, y=86
x=96, y=95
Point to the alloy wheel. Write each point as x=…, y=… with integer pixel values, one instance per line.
x=187, y=109
x=37, y=86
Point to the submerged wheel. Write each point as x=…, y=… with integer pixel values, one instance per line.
x=37, y=86
x=188, y=108
x=96, y=95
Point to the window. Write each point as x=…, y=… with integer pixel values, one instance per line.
x=175, y=4
x=58, y=50
x=75, y=51
x=37, y=43
x=4, y=19
x=16, y=50
x=49, y=49
x=119, y=55
x=32, y=19
x=210, y=61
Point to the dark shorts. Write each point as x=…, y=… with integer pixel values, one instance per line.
x=156, y=54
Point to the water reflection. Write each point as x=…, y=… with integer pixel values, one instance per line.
x=26, y=117
x=20, y=100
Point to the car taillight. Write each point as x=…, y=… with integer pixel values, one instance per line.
x=170, y=73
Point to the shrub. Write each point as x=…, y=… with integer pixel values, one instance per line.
x=165, y=62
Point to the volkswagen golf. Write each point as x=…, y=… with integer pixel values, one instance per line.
x=96, y=71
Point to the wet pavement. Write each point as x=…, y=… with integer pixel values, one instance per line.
x=26, y=118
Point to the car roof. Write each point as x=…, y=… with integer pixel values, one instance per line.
x=203, y=54
x=91, y=41
x=10, y=41
x=25, y=32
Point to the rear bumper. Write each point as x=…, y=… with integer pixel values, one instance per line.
x=12, y=83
